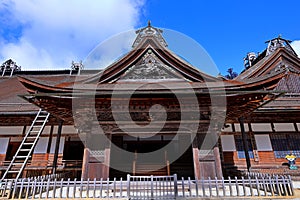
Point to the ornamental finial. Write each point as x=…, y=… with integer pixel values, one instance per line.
x=149, y=23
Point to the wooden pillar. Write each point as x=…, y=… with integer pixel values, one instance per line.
x=85, y=163
x=245, y=143
x=57, y=146
x=218, y=162
x=24, y=131
x=105, y=168
x=50, y=139
x=106, y=163
x=196, y=158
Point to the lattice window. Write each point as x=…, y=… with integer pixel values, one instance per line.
x=284, y=144
x=240, y=147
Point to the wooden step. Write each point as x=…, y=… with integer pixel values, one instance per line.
x=151, y=169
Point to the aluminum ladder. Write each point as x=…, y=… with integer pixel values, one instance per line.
x=27, y=146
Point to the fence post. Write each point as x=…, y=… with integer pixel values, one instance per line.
x=291, y=185
x=28, y=188
x=114, y=192
x=61, y=188
x=152, y=194
x=128, y=185
x=217, y=186
x=34, y=188
x=74, y=188
x=54, y=188
x=80, y=188
x=94, y=192
x=277, y=186
x=210, y=188
x=203, y=187
x=88, y=188
x=230, y=188
x=223, y=187
x=176, y=186
x=250, y=185
x=101, y=187
x=107, y=188
x=41, y=188
x=196, y=187
x=257, y=186
x=244, y=187
x=121, y=187
x=190, y=189
x=15, y=185
x=68, y=188
x=183, y=190
x=271, y=186
x=21, y=188
x=237, y=186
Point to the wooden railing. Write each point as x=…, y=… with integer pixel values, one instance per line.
x=147, y=187
x=42, y=164
x=167, y=163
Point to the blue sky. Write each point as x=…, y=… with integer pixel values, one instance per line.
x=49, y=34
x=228, y=29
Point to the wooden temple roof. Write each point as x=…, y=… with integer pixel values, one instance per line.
x=158, y=73
x=281, y=59
x=15, y=110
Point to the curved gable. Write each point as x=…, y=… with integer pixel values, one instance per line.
x=165, y=65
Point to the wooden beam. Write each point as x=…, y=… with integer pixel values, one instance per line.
x=107, y=151
x=196, y=158
x=50, y=139
x=85, y=163
x=245, y=143
x=216, y=151
x=57, y=146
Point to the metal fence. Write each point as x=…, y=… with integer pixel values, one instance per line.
x=147, y=187
x=152, y=187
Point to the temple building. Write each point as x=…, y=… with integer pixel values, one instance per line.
x=151, y=113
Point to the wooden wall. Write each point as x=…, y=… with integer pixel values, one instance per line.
x=263, y=159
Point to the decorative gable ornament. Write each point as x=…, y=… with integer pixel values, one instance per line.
x=150, y=68
x=9, y=66
x=149, y=31
x=278, y=42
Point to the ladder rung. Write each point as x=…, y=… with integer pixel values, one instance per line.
x=18, y=163
x=10, y=172
x=28, y=143
x=37, y=126
x=39, y=120
x=22, y=156
x=24, y=149
x=34, y=131
x=31, y=137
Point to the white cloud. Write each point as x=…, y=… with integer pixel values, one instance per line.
x=25, y=53
x=55, y=32
x=110, y=50
x=296, y=46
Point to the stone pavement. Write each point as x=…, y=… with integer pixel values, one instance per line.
x=296, y=185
